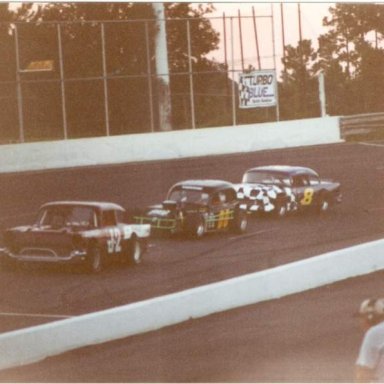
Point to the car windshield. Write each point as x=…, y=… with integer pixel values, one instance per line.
x=67, y=216
x=261, y=177
x=189, y=196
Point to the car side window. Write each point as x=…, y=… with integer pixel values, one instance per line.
x=230, y=195
x=216, y=198
x=93, y=219
x=109, y=218
x=297, y=181
x=285, y=181
x=314, y=180
x=300, y=181
x=120, y=216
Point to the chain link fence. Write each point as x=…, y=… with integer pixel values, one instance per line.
x=85, y=79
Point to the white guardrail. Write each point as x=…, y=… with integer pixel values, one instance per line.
x=167, y=145
x=36, y=343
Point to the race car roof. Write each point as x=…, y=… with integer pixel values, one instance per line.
x=284, y=169
x=104, y=206
x=203, y=185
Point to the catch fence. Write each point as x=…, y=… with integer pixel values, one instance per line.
x=61, y=80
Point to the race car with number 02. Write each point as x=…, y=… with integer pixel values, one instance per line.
x=196, y=207
x=91, y=233
x=280, y=189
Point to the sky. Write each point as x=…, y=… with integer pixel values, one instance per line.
x=312, y=15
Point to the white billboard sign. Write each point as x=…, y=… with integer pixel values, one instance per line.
x=257, y=89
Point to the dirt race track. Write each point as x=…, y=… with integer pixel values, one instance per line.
x=306, y=337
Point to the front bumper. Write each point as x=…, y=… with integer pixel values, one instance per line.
x=44, y=255
x=158, y=223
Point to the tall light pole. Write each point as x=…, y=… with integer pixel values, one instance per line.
x=162, y=70
x=283, y=35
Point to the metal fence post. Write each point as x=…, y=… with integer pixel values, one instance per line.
x=233, y=76
x=62, y=83
x=150, y=92
x=18, y=85
x=190, y=75
x=105, y=80
x=274, y=65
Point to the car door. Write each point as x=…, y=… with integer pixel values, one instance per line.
x=304, y=192
x=114, y=236
x=221, y=209
x=315, y=185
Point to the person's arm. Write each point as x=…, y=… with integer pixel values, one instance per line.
x=363, y=374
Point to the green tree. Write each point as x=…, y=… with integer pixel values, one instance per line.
x=351, y=58
x=298, y=98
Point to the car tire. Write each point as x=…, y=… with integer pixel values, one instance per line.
x=135, y=251
x=94, y=260
x=195, y=226
x=240, y=221
x=323, y=204
x=281, y=209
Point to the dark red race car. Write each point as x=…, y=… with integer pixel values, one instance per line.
x=91, y=233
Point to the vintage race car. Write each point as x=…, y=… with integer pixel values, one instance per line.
x=74, y=231
x=196, y=207
x=280, y=189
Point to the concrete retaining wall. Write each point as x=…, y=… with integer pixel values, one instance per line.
x=35, y=343
x=167, y=145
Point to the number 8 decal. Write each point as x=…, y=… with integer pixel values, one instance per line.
x=308, y=196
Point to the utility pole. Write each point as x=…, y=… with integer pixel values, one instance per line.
x=162, y=71
x=274, y=64
x=283, y=35
x=303, y=68
x=241, y=42
x=323, y=108
x=256, y=39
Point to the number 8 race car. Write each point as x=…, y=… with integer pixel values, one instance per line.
x=196, y=207
x=280, y=189
x=90, y=233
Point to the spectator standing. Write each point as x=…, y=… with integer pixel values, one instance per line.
x=370, y=362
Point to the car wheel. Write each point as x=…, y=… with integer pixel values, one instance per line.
x=135, y=252
x=240, y=222
x=199, y=229
x=94, y=260
x=323, y=205
x=196, y=226
x=281, y=209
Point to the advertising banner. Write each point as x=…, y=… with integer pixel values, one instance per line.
x=257, y=89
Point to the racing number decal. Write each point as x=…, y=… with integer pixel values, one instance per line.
x=308, y=196
x=114, y=243
x=223, y=220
